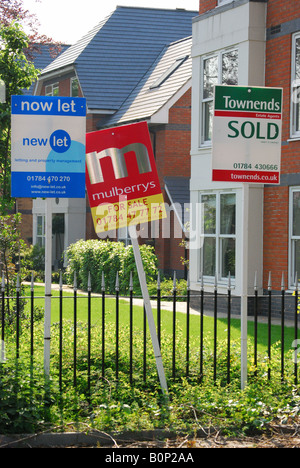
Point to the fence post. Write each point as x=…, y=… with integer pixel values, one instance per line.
x=75, y=330
x=2, y=356
x=103, y=323
x=117, y=289
x=89, y=288
x=201, y=324
x=215, y=325
x=158, y=309
x=282, y=325
x=18, y=315
x=255, y=322
x=269, y=322
x=188, y=326
x=60, y=327
x=296, y=330
x=130, y=325
x=174, y=326
x=228, y=327
x=31, y=313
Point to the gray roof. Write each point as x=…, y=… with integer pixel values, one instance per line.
x=168, y=74
x=113, y=58
x=42, y=56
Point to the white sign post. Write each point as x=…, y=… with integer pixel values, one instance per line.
x=246, y=148
x=148, y=309
x=48, y=161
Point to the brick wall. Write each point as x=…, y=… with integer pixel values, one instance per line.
x=276, y=199
x=172, y=151
x=206, y=5
x=280, y=11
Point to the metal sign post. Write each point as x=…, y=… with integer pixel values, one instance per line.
x=148, y=308
x=244, y=295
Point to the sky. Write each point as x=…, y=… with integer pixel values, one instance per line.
x=67, y=21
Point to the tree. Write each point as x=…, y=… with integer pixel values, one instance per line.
x=13, y=11
x=18, y=73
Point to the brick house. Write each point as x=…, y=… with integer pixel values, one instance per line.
x=259, y=42
x=135, y=65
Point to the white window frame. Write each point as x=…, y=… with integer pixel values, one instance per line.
x=218, y=236
x=52, y=89
x=41, y=236
x=203, y=101
x=295, y=89
x=292, y=239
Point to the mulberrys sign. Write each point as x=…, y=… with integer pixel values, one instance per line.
x=121, y=178
x=246, y=144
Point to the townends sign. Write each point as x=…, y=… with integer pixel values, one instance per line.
x=246, y=143
x=121, y=178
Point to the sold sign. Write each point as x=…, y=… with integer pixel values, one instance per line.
x=246, y=144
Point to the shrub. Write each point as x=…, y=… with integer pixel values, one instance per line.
x=97, y=256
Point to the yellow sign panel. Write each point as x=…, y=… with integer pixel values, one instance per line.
x=110, y=216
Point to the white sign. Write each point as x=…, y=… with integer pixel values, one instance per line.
x=48, y=147
x=246, y=143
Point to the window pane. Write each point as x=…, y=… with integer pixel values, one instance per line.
x=297, y=59
x=296, y=214
x=296, y=88
x=208, y=120
x=209, y=214
x=75, y=88
x=228, y=257
x=230, y=68
x=210, y=76
x=55, y=90
x=209, y=256
x=40, y=230
x=296, y=251
x=227, y=213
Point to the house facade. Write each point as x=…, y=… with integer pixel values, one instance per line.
x=135, y=65
x=246, y=43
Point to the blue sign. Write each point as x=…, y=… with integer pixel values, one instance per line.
x=48, y=147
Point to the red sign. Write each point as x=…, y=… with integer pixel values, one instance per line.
x=121, y=177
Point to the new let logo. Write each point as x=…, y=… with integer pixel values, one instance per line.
x=121, y=177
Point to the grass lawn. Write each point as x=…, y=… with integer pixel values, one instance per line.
x=166, y=320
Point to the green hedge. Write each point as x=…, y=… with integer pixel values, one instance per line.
x=97, y=256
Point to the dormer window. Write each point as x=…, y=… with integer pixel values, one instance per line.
x=169, y=72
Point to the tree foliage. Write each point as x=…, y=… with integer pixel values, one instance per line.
x=13, y=11
x=18, y=73
x=99, y=256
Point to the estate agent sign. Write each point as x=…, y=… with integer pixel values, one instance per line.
x=48, y=147
x=121, y=177
x=246, y=144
